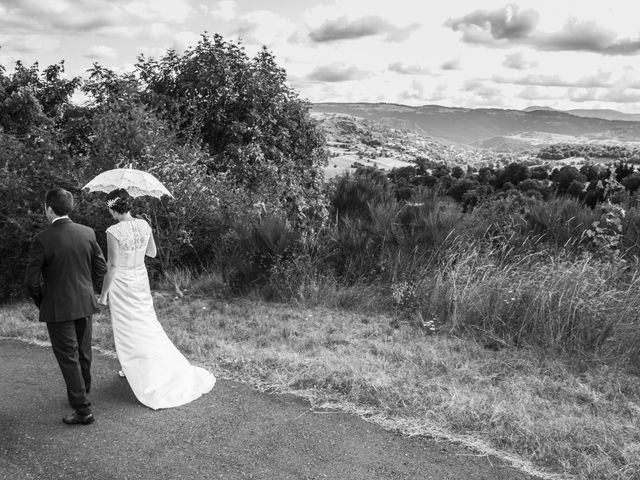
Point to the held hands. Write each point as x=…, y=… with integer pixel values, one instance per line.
x=102, y=300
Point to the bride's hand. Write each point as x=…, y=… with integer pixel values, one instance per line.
x=102, y=300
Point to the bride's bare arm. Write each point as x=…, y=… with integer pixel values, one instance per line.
x=152, y=251
x=112, y=257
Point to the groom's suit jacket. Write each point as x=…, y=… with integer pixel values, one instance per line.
x=65, y=261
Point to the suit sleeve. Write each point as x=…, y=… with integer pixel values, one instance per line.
x=98, y=263
x=33, y=277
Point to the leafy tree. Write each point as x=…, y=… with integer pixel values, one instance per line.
x=515, y=173
x=592, y=171
x=32, y=101
x=594, y=193
x=531, y=185
x=457, y=172
x=632, y=182
x=460, y=187
x=32, y=159
x=106, y=87
x=576, y=189
x=402, y=176
x=539, y=173
x=473, y=197
x=485, y=174
x=565, y=176
x=254, y=127
x=441, y=170
x=623, y=170
x=404, y=180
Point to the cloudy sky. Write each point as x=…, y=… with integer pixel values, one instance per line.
x=466, y=53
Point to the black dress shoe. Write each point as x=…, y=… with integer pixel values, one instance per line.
x=76, y=419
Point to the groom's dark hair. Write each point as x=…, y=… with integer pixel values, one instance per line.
x=60, y=201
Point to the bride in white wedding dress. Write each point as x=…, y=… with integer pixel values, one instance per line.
x=159, y=375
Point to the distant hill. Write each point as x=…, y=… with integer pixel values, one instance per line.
x=474, y=126
x=628, y=135
x=533, y=108
x=354, y=141
x=605, y=114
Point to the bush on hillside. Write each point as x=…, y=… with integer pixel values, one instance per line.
x=253, y=247
x=254, y=127
x=352, y=195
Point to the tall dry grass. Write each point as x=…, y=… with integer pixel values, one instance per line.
x=583, y=306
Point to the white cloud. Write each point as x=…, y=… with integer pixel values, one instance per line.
x=343, y=28
x=336, y=72
x=518, y=61
x=265, y=28
x=418, y=94
x=512, y=24
x=81, y=16
x=99, y=52
x=451, y=65
x=362, y=49
x=158, y=29
x=405, y=69
x=183, y=40
x=415, y=92
x=152, y=52
x=535, y=93
x=225, y=10
x=168, y=11
x=29, y=44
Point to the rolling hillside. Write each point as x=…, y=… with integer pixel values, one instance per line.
x=473, y=126
x=603, y=113
x=353, y=141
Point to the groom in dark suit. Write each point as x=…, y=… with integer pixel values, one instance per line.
x=65, y=262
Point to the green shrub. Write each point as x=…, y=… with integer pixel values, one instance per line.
x=253, y=247
x=559, y=223
x=19, y=222
x=630, y=241
x=351, y=195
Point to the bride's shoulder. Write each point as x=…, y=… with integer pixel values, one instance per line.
x=116, y=231
x=143, y=223
x=112, y=229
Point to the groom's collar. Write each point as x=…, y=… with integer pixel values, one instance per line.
x=64, y=219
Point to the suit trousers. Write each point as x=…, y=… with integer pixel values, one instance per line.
x=71, y=343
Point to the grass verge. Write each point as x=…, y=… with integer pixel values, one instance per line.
x=561, y=416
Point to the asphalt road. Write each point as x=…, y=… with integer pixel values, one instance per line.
x=233, y=432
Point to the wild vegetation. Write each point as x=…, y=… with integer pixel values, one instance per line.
x=501, y=299
x=610, y=151
x=223, y=131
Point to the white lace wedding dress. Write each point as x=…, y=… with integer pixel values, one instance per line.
x=159, y=375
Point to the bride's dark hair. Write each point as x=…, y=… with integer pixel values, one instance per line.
x=119, y=200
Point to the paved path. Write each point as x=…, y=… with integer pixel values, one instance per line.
x=234, y=432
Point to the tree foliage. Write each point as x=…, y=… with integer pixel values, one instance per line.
x=32, y=159
x=254, y=127
x=223, y=131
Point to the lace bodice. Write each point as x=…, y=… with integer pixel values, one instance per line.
x=133, y=238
